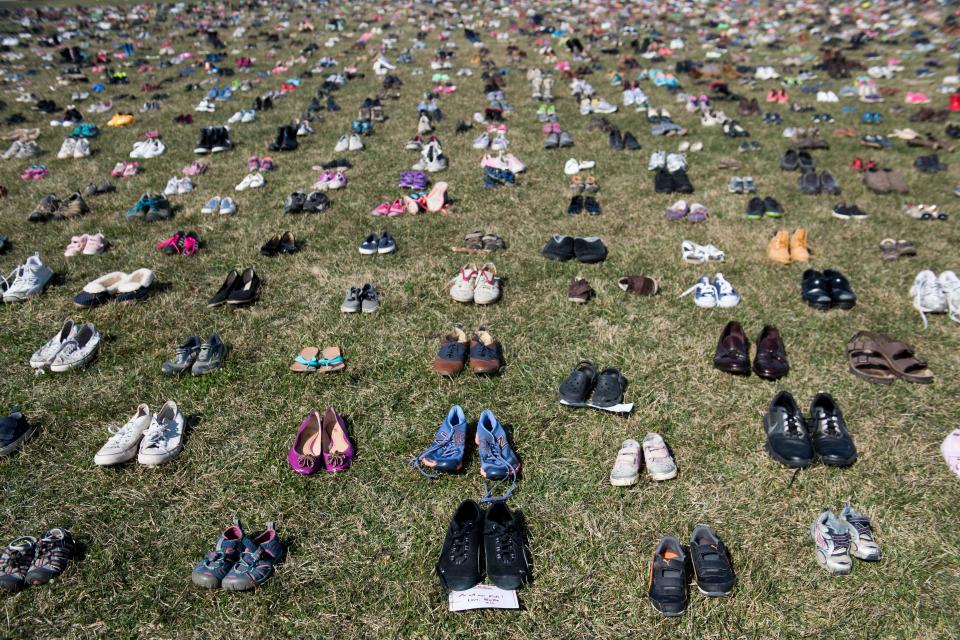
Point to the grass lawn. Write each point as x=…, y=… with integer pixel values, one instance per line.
x=362, y=544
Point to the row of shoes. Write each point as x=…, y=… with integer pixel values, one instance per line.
x=482, y=353
x=72, y=347
x=152, y=438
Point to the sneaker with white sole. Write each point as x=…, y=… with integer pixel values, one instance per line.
x=343, y=143
x=626, y=468
x=163, y=439
x=78, y=350
x=833, y=543
x=29, y=279
x=657, y=458
x=704, y=293
x=950, y=450
x=950, y=285
x=124, y=442
x=862, y=543
x=464, y=284
x=212, y=206
x=228, y=206
x=354, y=143
x=927, y=294
x=487, y=289
x=43, y=356
x=727, y=296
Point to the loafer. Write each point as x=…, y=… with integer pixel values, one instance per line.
x=733, y=350
x=841, y=295
x=770, y=361
x=815, y=290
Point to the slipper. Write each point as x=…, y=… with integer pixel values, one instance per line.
x=640, y=285
x=306, y=362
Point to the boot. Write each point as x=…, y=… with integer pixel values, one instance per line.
x=779, y=247
x=289, y=138
x=798, y=246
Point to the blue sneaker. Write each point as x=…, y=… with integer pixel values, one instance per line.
x=210, y=572
x=497, y=460
x=257, y=560
x=213, y=93
x=446, y=452
x=139, y=208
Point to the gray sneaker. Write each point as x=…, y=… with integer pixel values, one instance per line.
x=211, y=356
x=370, y=300
x=184, y=357
x=351, y=301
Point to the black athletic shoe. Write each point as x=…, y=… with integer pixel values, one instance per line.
x=616, y=140
x=711, y=564
x=630, y=142
x=788, y=441
x=662, y=182
x=459, y=565
x=668, y=578
x=576, y=205
x=831, y=440
x=504, y=548
x=589, y=249
x=205, y=143
x=755, y=208
x=681, y=182
x=559, y=248
x=772, y=208
x=14, y=431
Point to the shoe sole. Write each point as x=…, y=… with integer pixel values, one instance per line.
x=349, y=310
x=155, y=462
x=673, y=614
x=841, y=216
x=81, y=363
x=625, y=482
x=13, y=446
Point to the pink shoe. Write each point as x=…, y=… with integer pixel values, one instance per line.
x=323, y=181
x=334, y=442
x=190, y=245
x=437, y=197
x=95, y=245
x=495, y=163
x=337, y=181
x=170, y=242
x=398, y=208
x=951, y=451
x=497, y=128
x=118, y=169
x=266, y=164
x=131, y=170
x=704, y=101
x=381, y=209
x=77, y=243
x=782, y=97
x=305, y=455
x=514, y=164
x=253, y=163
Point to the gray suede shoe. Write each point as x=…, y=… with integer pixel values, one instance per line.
x=211, y=356
x=184, y=357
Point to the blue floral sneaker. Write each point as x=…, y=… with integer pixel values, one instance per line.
x=210, y=572
x=257, y=560
x=497, y=460
x=446, y=453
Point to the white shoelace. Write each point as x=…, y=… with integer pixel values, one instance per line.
x=724, y=288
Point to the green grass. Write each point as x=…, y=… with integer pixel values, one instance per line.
x=363, y=543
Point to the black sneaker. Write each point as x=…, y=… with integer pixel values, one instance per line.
x=755, y=208
x=14, y=431
x=576, y=205
x=630, y=142
x=790, y=161
x=681, y=182
x=558, y=248
x=459, y=565
x=616, y=140
x=592, y=206
x=711, y=563
x=841, y=211
x=772, y=208
x=662, y=182
x=205, y=144
x=831, y=440
x=504, y=548
x=295, y=202
x=221, y=140
x=787, y=439
x=589, y=249
x=668, y=578
x=316, y=202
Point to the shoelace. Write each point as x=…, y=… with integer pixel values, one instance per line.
x=702, y=289
x=928, y=291
x=830, y=426
x=156, y=432
x=724, y=288
x=121, y=435
x=841, y=542
x=505, y=544
x=792, y=427
x=491, y=453
x=862, y=525
x=460, y=547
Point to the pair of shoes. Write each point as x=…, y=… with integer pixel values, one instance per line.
x=795, y=443
x=125, y=169
x=478, y=285
x=584, y=387
x=238, y=562
x=365, y=299
x=680, y=210
x=891, y=249
x=213, y=140
x=885, y=181
x=244, y=115
x=784, y=248
x=197, y=356
x=837, y=539
x=150, y=208
x=147, y=148
x=565, y=248
x=98, y=188
x=758, y=207
x=718, y=293
x=251, y=181
x=374, y=244
x=331, y=360
x=698, y=254
x=733, y=353
x=331, y=181
x=26, y=281
x=237, y=289
x=627, y=141
x=481, y=242
x=153, y=438
x=579, y=204
x=74, y=148
x=216, y=204
x=195, y=169
x=655, y=455
x=497, y=535
x=812, y=183
x=348, y=143
x=678, y=181
x=925, y=212
x=497, y=173
x=483, y=354
x=286, y=139
x=827, y=290
x=299, y=202
x=255, y=163
x=669, y=580
x=321, y=441
x=283, y=243
x=120, y=120
x=72, y=347
x=742, y=185
x=15, y=429
x=580, y=184
x=848, y=212
x=52, y=208
x=936, y=294
x=178, y=186
x=35, y=172
x=31, y=561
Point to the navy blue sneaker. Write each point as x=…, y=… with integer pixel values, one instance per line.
x=446, y=453
x=14, y=431
x=210, y=572
x=497, y=460
x=369, y=246
x=386, y=244
x=258, y=557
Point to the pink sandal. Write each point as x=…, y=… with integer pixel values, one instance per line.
x=437, y=198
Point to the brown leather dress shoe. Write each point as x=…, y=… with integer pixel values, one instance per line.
x=771, y=359
x=733, y=350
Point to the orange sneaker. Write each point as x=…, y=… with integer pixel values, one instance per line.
x=779, y=247
x=798, y=245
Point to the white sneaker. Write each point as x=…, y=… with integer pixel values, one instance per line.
x=184, y=185
x=13, y=150
x=248, y=116
x=212, y=206
x=29, y=279
x=256, y=181
x=704, y=293
x=950, y=285
x=354, y=143
x=626, y=468
x=586, y=107
x=304, y=129
x=67, y=148
x=227, y=206
x=235, y=118
x=628, y=97
x=171, y=188
x=676, y=161
x=928, y=295
x=862, y=543
x=78, y=350
x=464, y=284
x=153, y=148
x=487, y=289
x=482, y=141
x=658, y=159
x=82, y=150
x=499, y=143
x=602, y=106
x=342, y=144
x=727, y=296
x=833, y=543
x=163, y=439
x=138, y=148
x=656, y=456
x=124, y=442
x=43, y=356
x=423, y=125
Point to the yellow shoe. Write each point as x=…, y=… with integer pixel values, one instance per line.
x=798, y=245
x=114, y=121
x=779, y=247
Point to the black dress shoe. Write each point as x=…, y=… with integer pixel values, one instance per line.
x=220, y=297
x=788, y=441
x=816, y=290
x=245, y=289
x=831, y=440
x=770, y=362
x=630, y=142
x=271, y=247
x=616, y=140
x=459, y=565
x=841, y=295
x=733, y=350
x=662, y=182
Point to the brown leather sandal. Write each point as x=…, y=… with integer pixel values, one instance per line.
x=897, y=355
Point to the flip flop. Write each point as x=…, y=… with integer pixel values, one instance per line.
x=306, y=362
x=331, y=361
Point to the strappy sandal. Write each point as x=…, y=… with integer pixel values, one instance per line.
x=898, y=356
x=473, y=241
x=591, y=185
x=577, y=387
x=888, y=249
x=493, y=242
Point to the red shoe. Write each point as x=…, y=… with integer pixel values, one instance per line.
x=871, y=165
x=771, y=96
x=955, y=102
x=782, y=96
x=857, y=165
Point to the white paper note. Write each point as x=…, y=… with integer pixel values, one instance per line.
x=483, y=597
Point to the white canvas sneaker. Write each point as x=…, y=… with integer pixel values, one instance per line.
x=123, y=444
x=727, y=296
x=487, y=289
x=43, y=356
x=343, y=143
x=248, y=116
x=227, y=206
x=482, y=141
x=212, y=206
x=656, y=456
x=928, y=295
x=29, y=279
x=171, y=188
x=463, y=284
x=78, y=350
x=950, y=285
x=67, y=148
x=626, y=468
x=82, y=149
x=235, y=118
x=163, y=439
x=354, y=143
x=676, y=161
x=833, y=543
x=184, y=185
x=862, y=543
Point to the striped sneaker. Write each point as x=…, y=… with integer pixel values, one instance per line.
x=15, y=563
